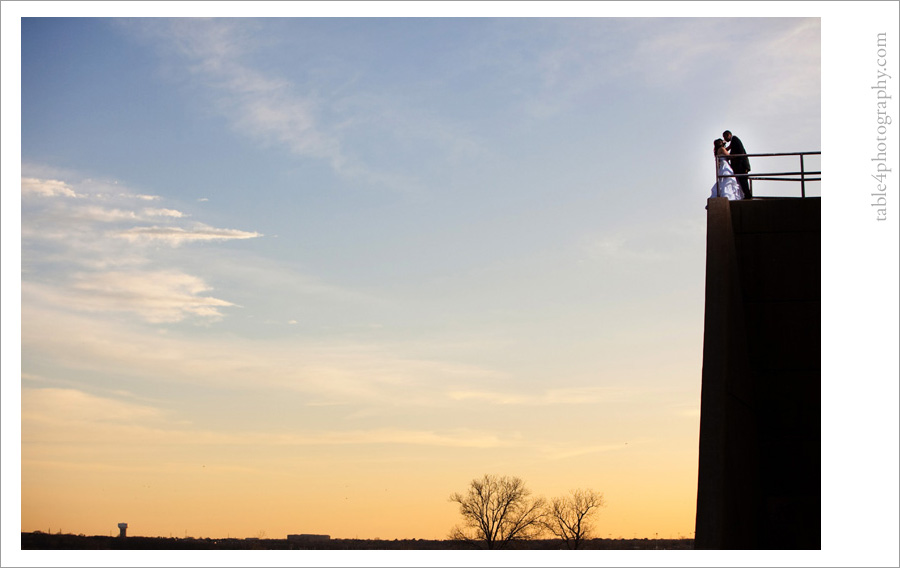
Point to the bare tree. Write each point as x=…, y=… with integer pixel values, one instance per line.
x=569, y=517
x=498, y=510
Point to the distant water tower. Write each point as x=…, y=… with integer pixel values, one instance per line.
x=122, y=528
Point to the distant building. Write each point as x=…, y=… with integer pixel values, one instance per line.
x=122, y=528
x=308, y=537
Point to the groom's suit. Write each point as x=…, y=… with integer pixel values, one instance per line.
x=740, y=164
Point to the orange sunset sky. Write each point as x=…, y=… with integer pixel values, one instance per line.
x=313, y=275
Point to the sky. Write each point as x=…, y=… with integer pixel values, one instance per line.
x=313, y=275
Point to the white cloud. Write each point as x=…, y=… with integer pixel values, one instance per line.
x=157, y=297
x=60, y=220
x=102, y=214
x=103, y=229
x=163, y=296
x=163, y=213
x=176, y=235
x=47, y=188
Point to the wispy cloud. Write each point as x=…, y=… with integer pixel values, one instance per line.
x=47, y=187
x=157, y=297
x=565, y=396
x=73, y=406
x=177, y=235
x=69, y=246
x=62, y=415
x=163, y=213
x=795, y=56
x=308, y=117
x=641, y=242
x=57, y=324
x=620, y=248
x=555, y=453
x=691, y=46
x=267, y=107
x=770, y=80
x=102, y=214
x=591, y=57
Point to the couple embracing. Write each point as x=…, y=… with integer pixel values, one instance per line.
x=731, y=187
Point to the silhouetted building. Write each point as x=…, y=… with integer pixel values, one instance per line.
x=759, y=477
x=122, y=528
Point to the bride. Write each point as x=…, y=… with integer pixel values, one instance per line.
x=725, y=186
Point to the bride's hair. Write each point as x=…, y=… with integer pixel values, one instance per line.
x=718, y=143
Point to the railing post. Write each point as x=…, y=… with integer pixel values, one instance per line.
x=802, y=178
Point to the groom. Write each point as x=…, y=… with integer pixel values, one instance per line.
x=740, y=164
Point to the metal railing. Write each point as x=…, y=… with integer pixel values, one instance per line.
x=775, y=176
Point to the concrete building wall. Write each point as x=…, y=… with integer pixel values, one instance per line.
x=759, y=483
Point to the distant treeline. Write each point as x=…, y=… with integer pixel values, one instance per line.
x=44, y=541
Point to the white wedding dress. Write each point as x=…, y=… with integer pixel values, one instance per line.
x=726, y=186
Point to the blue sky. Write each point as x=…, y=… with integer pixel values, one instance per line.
x=420, y=248
x=364, y=166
